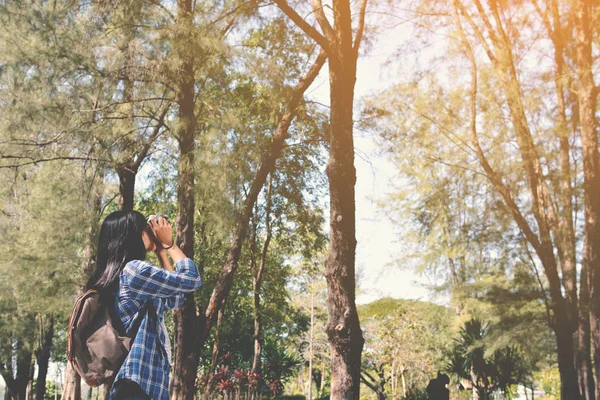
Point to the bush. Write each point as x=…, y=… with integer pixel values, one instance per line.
x=416, y=394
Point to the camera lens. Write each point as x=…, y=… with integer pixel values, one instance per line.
x=156, y=218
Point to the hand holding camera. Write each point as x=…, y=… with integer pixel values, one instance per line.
x=161, y=231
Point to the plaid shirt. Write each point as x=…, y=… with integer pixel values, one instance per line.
x=147, y=362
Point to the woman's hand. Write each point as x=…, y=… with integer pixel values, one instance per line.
x=162, y=231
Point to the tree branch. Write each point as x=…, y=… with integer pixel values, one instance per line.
x=302, y=24
x=478, y=33
x=40, y=160
x=317, y=6
x=493, y=176
x=155, y=133
x=361, y=26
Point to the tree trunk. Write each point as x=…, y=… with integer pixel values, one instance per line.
x=566, y=243
x=403, y=382
x=18, y=385
x=310, y=344
x=214, y=357
x=257, y=284
x=126, y=186
x=186, y=354
x=584, y=365
x=502, y=58
x=587, y=96
x=322, y=386
x=72, y=386
x=343, y=326
x=43, y=359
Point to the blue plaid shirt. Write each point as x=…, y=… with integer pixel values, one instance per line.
x=147, y=362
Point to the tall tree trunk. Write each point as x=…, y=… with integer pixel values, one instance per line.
x=30, y=389
x=43, y=358
x=566, y=239
x=186, y=354
x=587, y=96
x=584, y=366
x=257, y=284
x=214, y=357
x=343, y=326
x=311, y=343
x=17, y=385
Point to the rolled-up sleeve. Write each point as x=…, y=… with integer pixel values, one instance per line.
x=145, y=280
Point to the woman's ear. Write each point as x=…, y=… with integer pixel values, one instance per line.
x=149, y=243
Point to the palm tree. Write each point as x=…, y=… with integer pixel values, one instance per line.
x=498, y=371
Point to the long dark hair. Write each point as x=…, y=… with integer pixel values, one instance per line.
x=120, y=242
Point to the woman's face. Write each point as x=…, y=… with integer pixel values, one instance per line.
x=148, y=241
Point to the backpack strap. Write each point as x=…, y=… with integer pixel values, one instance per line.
x=116, y=320
x=152, y=312
x=118, y=325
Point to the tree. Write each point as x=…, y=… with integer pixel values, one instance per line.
x=537, y=179
x=342, y=48
x=406, y=341
x=587, y=96
x=487, y=373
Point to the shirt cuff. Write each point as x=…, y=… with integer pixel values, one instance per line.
x=186, y=265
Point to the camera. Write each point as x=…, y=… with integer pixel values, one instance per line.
x=156, y=218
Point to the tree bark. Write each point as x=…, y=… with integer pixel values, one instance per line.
x=587, y=96
x=17, y=385
x=215, y=356
x=566, y=239
x=72, y=386
x=257, y=285
x=186, y=354
x=311, y=343
x=584, y=366
x=43, y=359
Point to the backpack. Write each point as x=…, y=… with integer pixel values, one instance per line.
x=97, y=344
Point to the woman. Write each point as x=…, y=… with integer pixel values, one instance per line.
x=142, y=292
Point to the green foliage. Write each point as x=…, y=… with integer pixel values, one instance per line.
x=549, y=379
x=415, y=394
x=488, y=371
x=405, y=338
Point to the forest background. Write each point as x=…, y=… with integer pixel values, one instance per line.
x=240, y=120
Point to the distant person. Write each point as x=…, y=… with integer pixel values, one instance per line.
x=142, y=292
x=437, y=390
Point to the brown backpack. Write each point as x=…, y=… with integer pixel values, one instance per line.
x=97, y=344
